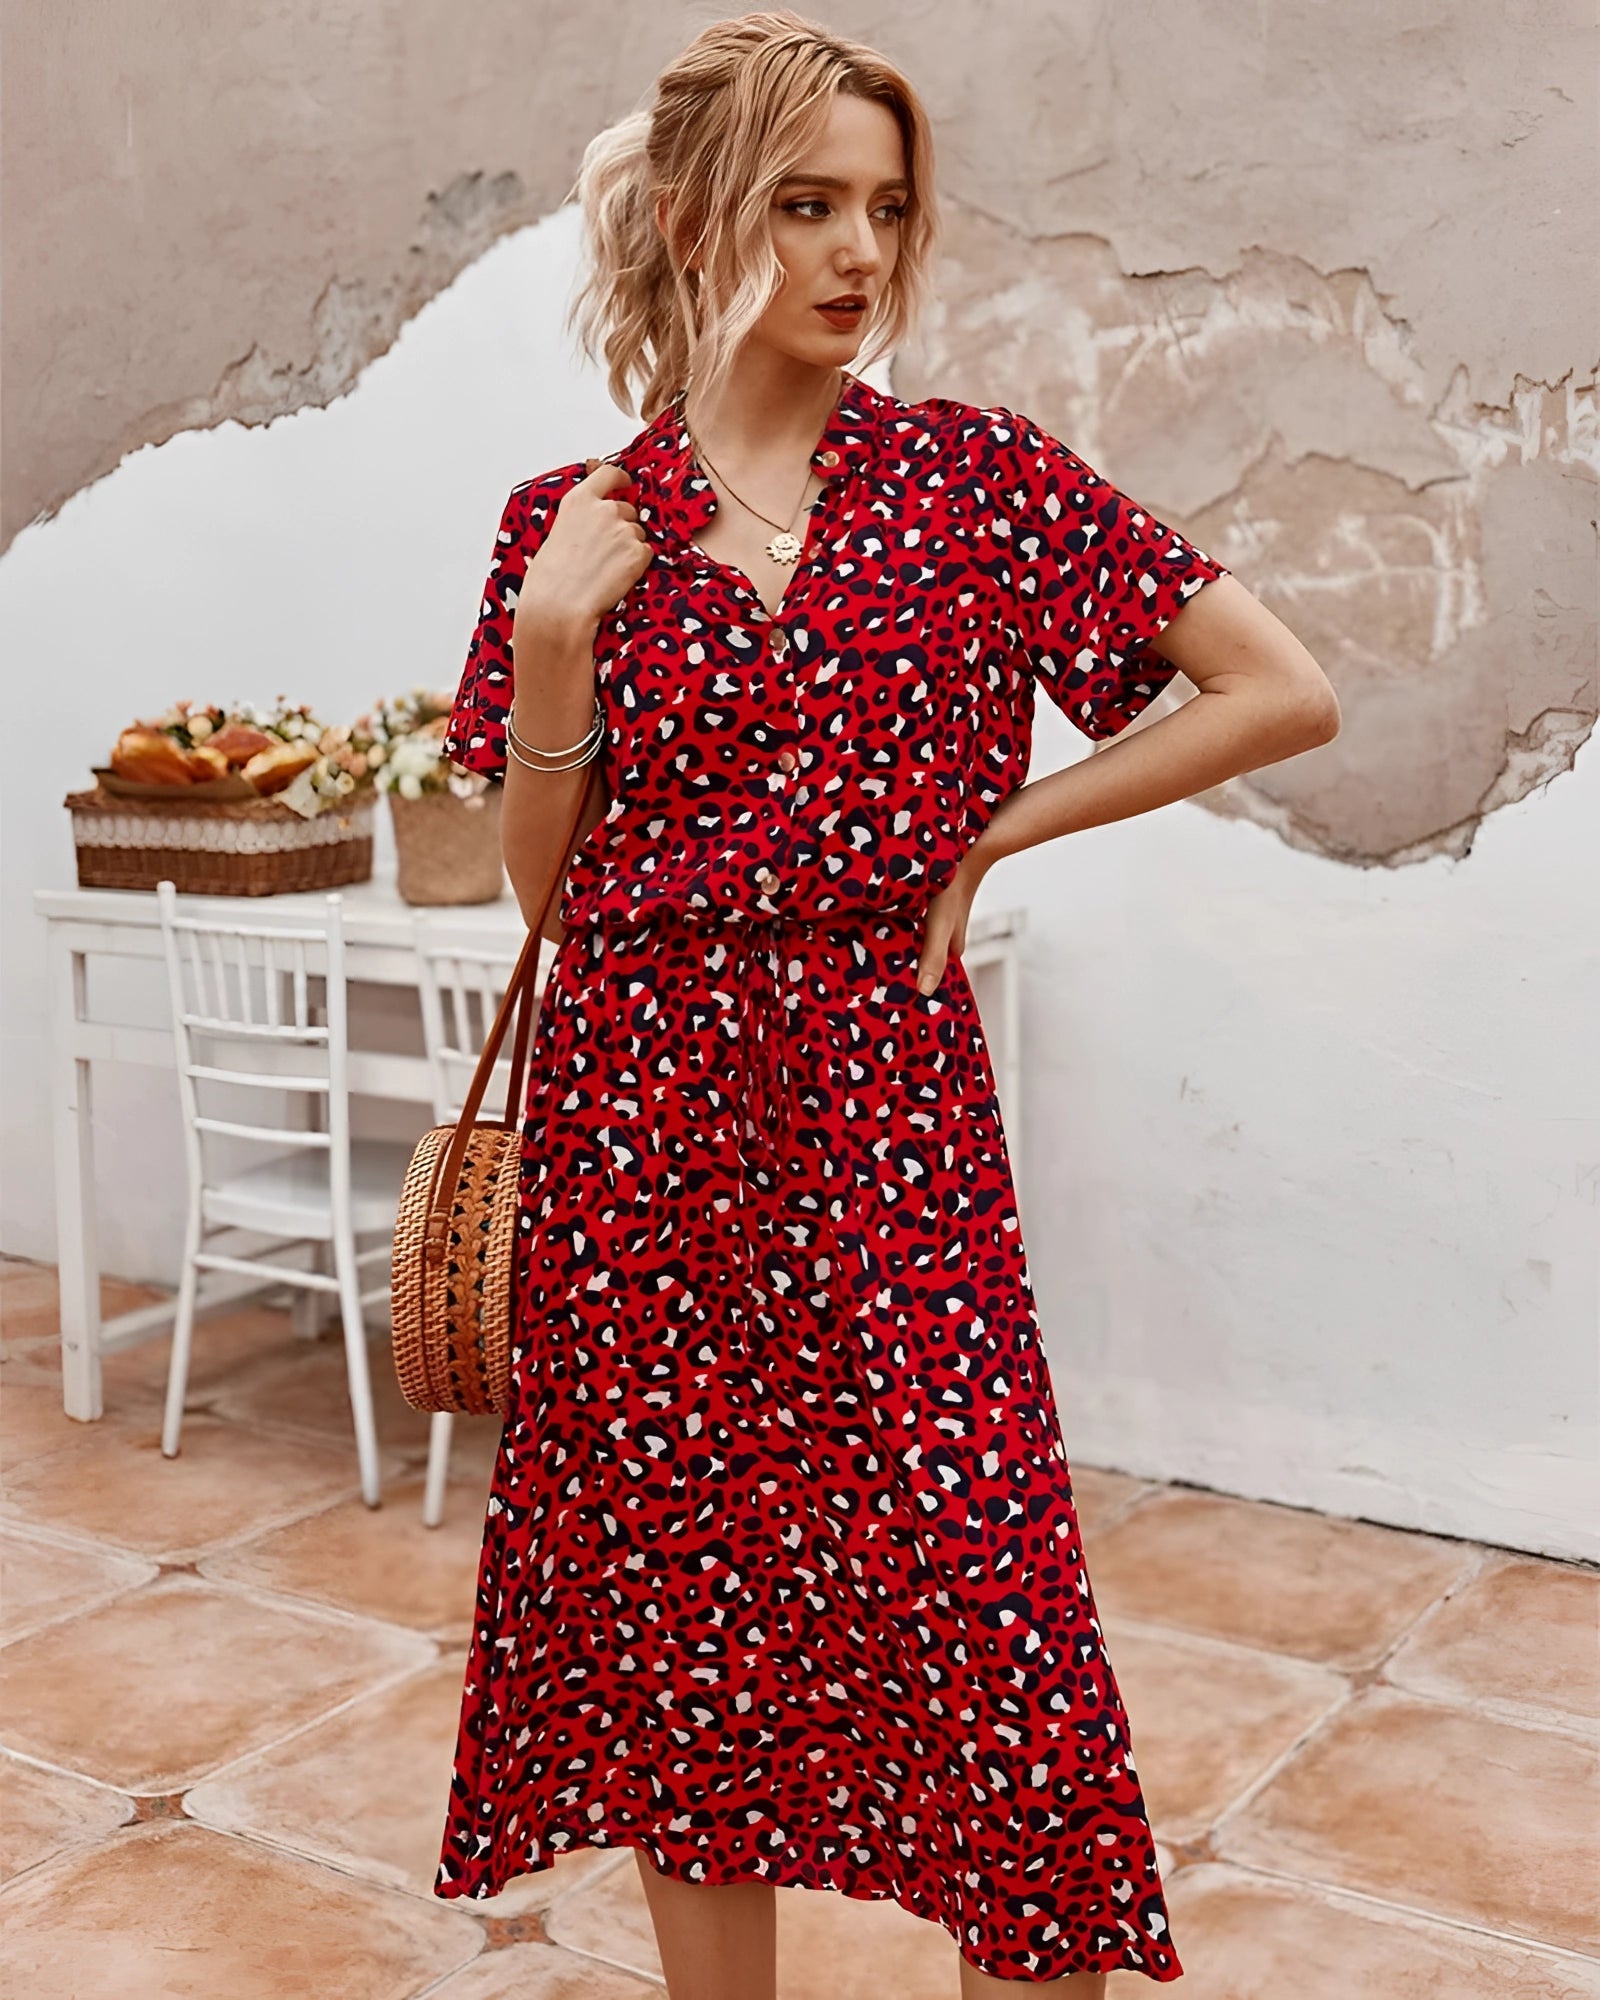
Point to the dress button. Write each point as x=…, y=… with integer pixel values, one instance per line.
x=787, y=760
x=778, y=643
x=827, y=458
x=767, y=881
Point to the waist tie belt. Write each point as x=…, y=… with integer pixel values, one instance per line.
x=763, y=1106
x=756, y=961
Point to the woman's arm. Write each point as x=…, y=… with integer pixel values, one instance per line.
x=553, y=705
x=1262, y=697
x=595, y=551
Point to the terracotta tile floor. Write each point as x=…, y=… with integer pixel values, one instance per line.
x=228, y=1695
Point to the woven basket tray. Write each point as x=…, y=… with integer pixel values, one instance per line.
x=241, y=847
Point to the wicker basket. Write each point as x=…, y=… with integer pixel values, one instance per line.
x=239, y=847
x=447, y=850
x=451, y=1308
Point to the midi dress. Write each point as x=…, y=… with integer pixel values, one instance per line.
x=781, y=1575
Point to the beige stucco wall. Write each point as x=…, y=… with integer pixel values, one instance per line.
x=1317, y=283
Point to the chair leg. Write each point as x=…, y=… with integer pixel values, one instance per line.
x=308, y=1309
x=438, y=1468
x=182, y=1337
x=356, y=1370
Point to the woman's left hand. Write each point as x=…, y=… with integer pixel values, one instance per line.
x=944, y=933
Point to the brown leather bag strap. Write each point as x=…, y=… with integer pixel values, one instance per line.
x=519, y=995
x=520, y=1038
x=526, y=1008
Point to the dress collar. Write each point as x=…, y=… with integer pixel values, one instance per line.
x=672, y=491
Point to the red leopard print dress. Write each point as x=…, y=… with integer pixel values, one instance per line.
x=782, y=1576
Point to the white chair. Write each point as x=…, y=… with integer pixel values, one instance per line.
x=460, y=988
x=245, y=1017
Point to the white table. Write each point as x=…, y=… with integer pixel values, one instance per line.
x=379, y=945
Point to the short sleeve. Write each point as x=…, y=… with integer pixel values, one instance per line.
x=1095, y=577
x=475, y=736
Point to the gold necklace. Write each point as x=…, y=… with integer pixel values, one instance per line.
x=786, y=546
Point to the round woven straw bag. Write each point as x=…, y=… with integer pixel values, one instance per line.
x=453, y=1272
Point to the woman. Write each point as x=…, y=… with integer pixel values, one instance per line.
x=782, y=1579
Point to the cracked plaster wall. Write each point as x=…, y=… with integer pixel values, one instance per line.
x=1436, y=555
x=1317, y=283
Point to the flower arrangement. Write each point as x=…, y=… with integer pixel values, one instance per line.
x=408, y=732
x=188, y=724
x=285, y=752
x=446, y=821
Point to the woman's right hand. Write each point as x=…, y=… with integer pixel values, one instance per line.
x=595, y=552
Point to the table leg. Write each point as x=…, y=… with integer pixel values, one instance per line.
x=77, y=1240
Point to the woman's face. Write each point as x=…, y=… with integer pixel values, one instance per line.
x=836, y=232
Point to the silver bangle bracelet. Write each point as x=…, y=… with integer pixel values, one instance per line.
x=573, y=764
x=533, y=750
x=568, y=757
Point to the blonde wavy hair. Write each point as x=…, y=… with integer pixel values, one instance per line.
x=726, y=120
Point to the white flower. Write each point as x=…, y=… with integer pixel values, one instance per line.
x=199, y=728
x=302, y=796
x=410, y=786
x=415, y=756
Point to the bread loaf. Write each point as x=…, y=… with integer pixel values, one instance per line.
x=238, y=742
x=151, y=757
x=270, y=770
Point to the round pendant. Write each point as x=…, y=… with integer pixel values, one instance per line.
x=784, y=547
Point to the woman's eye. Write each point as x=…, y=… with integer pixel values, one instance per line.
x=896, y=210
